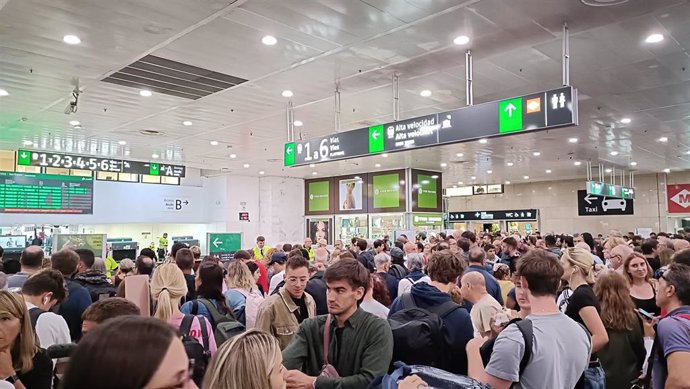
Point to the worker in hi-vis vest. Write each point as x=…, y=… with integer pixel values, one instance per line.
x=261, y=248
x=310, y=250
x=163, y=245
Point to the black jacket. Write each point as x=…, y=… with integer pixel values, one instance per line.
x=366, y=258
x=316, y=287
x=96, y=283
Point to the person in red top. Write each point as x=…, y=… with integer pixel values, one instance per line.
x=245, y=257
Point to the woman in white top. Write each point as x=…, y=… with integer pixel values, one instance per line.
x=415, y=264
x=378, y=287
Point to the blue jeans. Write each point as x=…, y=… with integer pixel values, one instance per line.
x=595, y=378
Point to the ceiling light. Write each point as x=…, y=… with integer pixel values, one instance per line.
x=459, y=182
x=654, y=38
x=455, y=186
x=233, y=156
x=74, y=122
x=572, y=140
x=608, y=170
x=314, y=173
x=384, y=155
x=483, y=141
x=489, y=171
x=459, y=155
x=507, y=182
x=269, y=40
x=425, y=93
x=214, y=143
x=443, y=164
x=4, y=92
x=298, y=123
x=548, y=171
x=145, y=93
x=28, y=143
x=667, y=170
x=526, y=177
x=614, y=153
x=122, y=143
x=626, y=120
x=473, y=178
x=578, y=163
x=312, y=165
x=633, y=163
x=261, y=172
x=187, y=123
x=536, y=153
x=246, y=165
x=461, y=40
x=287, y=93
x=377, y=165
x=78, y=127
x=510, y=164
x=663, y=139
x=155, y=156
x=74, y=40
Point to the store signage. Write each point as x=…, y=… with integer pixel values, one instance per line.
x=427, y=219
x=427, y=192
x=538, y=111
x=387, y=190
x=678, y=198
x=223, y=245
x=45, y=193
x=591, y=205
x=510, y=215
x=112, y=165
x=608, y=190
x=318, y=193
x=96, y=243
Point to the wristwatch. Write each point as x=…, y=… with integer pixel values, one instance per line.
x=12, y=379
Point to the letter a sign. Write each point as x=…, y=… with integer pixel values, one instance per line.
x=678, y=198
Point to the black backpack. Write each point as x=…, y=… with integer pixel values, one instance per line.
x=527, y=331
x=418, y=334
x=225, y=326
x=199, y=354
x=100, y=291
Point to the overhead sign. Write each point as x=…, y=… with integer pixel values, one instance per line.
x=538, y=111
x=678, y=198
x=112, y=165
x=175, y=204
x=223, y=244
x=591, y=205
x=608, y=190
x=45, y=193
x=244, y=216
x=427, y=219
x=510, y=215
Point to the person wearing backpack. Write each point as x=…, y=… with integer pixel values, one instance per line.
x=671, y=350
x=243, y=295
x=560, y=346
x=78, y=298
x=415, y=265
x=93, y=280
x=428, y=327
x=42, y=291
x=281, y=314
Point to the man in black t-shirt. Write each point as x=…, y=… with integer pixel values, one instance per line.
x=184, y=258
x=649, y=250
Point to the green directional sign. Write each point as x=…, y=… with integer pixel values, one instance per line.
x=510, y=115
x=154, y=169
x=376, y=139
x=223, y=244
x=289, y=154
x=24, y=157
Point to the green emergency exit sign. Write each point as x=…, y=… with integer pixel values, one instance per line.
x=289, y=154
x=154, y=169
x=510, y=115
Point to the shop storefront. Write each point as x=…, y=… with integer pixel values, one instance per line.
x=524, y=221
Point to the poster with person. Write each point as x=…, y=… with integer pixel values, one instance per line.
x=350, y=197
x=320, y=229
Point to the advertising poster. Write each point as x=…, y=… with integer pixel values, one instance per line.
x=13, y=243
x=350, y=194
x=427, y=192
x=93, y=242
x=318, y=193
x=320, y=229
x=387, y=191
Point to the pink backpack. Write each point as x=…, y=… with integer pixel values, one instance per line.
x=251, y=307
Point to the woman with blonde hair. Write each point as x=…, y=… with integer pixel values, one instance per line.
x=236, y=365
x=168, y=287
x=21, y=361
x=583, y=307
x=243, y=295
x=622, y=358
x=638, y=272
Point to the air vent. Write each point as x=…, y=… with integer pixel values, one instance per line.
x=172, y=78
x=151, y=132
x=603, y=3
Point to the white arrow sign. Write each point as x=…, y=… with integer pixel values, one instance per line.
x=589, y=199
x=289, y=150
x=23, y=155
x=375, y=135
x=510, y=108
x=217, y=242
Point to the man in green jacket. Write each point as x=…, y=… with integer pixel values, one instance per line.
x=360, y=344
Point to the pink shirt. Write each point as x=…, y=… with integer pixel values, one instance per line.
x=195, y=331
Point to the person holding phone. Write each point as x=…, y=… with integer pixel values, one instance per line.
x=642, y=285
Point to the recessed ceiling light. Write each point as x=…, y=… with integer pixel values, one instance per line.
x=483, y=141
x=459, y=182
x=425, y=93
x=187, y=123
x=526, y=177
x=572, y=140
x=473, y=178
x=298, y=123
x=489, y=171
x=214, y=143
x=314, y=173
x=459, y=155
x=78, y=127
x=269, y=40
x=155, y=156
x=455, y=186
x=261, y=172
x=377, y=165
x=509, y=164
x=608, y=170
x=287, y=93
x=145, y=93
x=626, y=120
x=461, y=40
x=122, y=143
x=667, y=170
x=4, y=92
x=663, y=139
x=233, y=156
x=312, y=165
x=74, y=122
x=578, y=163
x=654, y=38
x=548, y=171
x=384, y=155
x=71, y=39
x=246, y=165
x=536, y=153
x=443, y=164
x=507, y=182
x=614, y=153
x=28, y=143
x=633, y=163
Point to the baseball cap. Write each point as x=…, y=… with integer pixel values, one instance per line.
x=278, y=258
x=126, y=264
x=397, y=253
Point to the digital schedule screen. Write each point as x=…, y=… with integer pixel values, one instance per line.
x=45, y=193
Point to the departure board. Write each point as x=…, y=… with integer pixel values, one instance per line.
x=45, y=193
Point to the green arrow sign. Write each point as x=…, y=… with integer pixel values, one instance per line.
x=219, y=243
x=289, y=154
x=24, y=157
x=154, y=169
x=376, y=136
x=510, y=115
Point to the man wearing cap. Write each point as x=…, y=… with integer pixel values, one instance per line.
x=277, y=263
x=397, y=268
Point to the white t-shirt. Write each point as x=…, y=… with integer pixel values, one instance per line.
x=6, y=385
x=275, y=280
x=375, y=308
x=51, y=329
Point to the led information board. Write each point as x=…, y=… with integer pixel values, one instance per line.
x=45, y=193
x=538, y=111
x=112, y=165
x=515, y=214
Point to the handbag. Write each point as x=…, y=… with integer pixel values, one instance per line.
x=327, y=370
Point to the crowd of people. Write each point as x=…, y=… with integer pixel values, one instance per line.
x=499, y=310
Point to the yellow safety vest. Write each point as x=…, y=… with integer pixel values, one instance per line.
x=258, y=254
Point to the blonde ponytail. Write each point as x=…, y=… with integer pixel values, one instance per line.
x=168, y=286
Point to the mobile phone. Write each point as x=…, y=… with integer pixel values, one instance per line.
x=646, y=314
